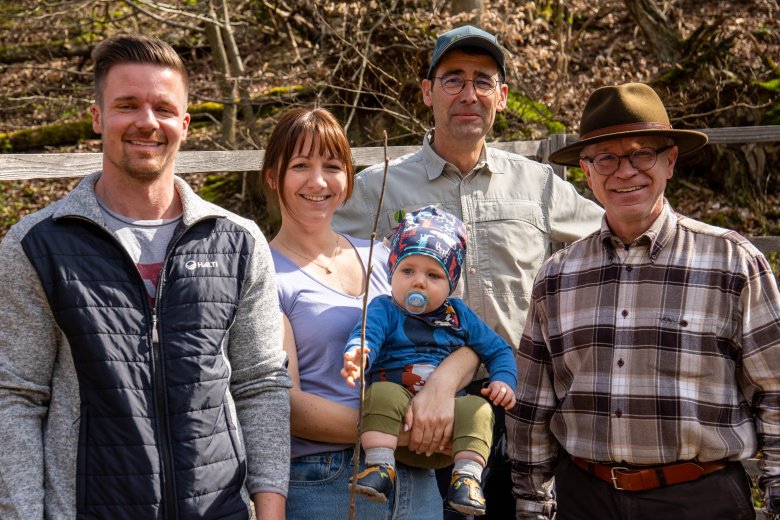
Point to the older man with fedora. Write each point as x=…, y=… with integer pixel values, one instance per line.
x=648, y=367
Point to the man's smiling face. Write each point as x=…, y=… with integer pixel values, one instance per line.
x=143, y=120
x=632, y=199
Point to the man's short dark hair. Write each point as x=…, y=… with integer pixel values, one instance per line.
x=471, y=50
x=133, y=48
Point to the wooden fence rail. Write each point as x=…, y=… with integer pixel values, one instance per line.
x=61, y=165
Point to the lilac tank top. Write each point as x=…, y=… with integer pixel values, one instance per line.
x=322, y=318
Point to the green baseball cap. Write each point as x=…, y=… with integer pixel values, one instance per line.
x=467, y=36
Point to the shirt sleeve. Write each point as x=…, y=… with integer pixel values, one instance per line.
x=259, y=378
x=571, y=215
x=377, y=328
x=356, y=216
x=29, y=340
x=531, y=447
x=760, y=317
x=493, y=351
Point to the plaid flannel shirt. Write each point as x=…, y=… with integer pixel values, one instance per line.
x=664, y=351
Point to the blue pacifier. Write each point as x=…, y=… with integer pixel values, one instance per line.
x=416, y=302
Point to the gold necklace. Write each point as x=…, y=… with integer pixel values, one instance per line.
x=326, y=268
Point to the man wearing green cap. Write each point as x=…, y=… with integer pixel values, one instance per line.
x=648, y=365
x=514, y=208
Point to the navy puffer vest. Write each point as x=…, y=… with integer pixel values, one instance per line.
x=157, y=438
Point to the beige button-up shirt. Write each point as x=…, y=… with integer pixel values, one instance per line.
x=514, y=210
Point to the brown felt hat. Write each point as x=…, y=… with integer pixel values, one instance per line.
x=624, y=111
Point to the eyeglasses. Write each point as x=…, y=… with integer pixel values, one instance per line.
x=455, y=84
x=642, y=159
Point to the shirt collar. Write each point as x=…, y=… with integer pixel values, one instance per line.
x=435, y=165
x=82, y=202
x=655, y=238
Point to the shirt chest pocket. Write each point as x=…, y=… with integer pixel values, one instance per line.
x=693, y=347
x=512, y=244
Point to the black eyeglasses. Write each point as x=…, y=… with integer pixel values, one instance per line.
x=642, y=159
x=454, y=84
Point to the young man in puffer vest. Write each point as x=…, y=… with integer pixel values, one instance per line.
x=141, y=368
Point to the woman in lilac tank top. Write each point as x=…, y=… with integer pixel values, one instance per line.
x=308, y=171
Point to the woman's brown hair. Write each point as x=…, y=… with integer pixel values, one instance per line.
x=290, y=133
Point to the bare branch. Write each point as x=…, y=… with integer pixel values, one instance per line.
x=293, y=43
x=172, y=10
x=159, y=18
x=723, y=109
x=364, y=62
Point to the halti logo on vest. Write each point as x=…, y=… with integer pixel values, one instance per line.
x=191, y=265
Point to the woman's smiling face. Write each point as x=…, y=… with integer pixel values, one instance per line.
x=315, y=183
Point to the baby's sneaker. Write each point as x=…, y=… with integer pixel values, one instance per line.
x=376, y=482
x=465, y=495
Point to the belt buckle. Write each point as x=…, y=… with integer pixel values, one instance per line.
x=614, y=478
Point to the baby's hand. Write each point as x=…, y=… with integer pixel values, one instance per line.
x=352, y=370
x=501, y=394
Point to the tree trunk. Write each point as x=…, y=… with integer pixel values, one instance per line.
x=226, y=85
x=659, y=33
x=236, y=64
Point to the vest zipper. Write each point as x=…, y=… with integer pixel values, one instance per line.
x=155, y=336
x=171, y=509
x=162, y=416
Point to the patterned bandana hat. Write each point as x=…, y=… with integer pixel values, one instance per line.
x=432, y=232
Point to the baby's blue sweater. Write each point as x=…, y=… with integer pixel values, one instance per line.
x=397, y=339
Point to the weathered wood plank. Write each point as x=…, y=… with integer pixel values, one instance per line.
x=766, y=244
x=368, y=156
x=43, y=166
x=46, y=166
x=726, y=135
x=743, y=134
x=56, y=165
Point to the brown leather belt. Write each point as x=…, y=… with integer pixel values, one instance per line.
x=644, y=478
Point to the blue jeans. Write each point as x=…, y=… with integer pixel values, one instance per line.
x=319, y=491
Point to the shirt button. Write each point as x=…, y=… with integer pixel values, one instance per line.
x=624, y=313
x=618, y=414
x=468, y=227
x=620, y=363
x=629, y=268
x=472, y=270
